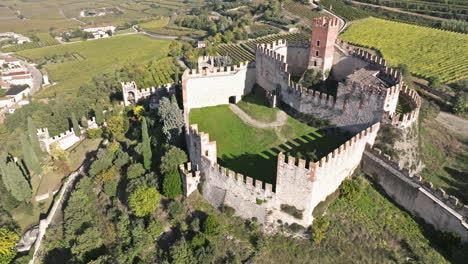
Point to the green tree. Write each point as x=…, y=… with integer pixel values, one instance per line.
x=8, y=241
x=116, y=127
x=311, y=78
x=147, y=155
x=15, y=182
x=135, y=170
x=172, y=184
x=319, y=227
x=434, y=82
x=181, y=253
x=144, y=200
x=350, y=189
x=98, y=113
x=76, y=126
x=461, y=104
x=30, y=157
x=172, y=159
x=211, y=225
x=172, y=119
x=33, y=138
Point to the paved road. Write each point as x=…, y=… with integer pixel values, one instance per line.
x=281, y=118
x=454, y=123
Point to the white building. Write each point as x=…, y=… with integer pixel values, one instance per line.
x=18, y=93
x=6, y=102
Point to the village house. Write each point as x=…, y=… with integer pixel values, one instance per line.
x=18, y=93
x=100, y=32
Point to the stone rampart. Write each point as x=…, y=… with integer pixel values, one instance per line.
x=190, y=178
x=444, y=212
x=63, y=140
x=132, y=94
x=319, y=179
x=407, y=119
x=221, y=85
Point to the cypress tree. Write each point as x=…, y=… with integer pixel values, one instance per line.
x=172, y=184
x=176, y=76
x=33, y=138
x=98, y=114
x=76, y=127
x=29, y=156
x=15, y=182
x=147, y=155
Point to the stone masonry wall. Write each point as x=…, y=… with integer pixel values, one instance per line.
x=444, y=212
x=215, y=87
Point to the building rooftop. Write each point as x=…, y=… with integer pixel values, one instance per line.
x=15, y=73
x=16, y=90
x=367, y=77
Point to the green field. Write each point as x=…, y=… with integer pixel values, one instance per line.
x=253, y=151
x=100, y=56
x=427, y=52
x=153, y=24
x=301, y=10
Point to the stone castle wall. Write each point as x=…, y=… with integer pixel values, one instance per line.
x=444, y=212
x=64, y=140
x=298, y=183
x=131, y=93
x=211, y=87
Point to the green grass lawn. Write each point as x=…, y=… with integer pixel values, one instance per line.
x=158, y=23
x=446, y=158
x=253, y=151
x=257, y=108
x=100, y=56
x=370, y=229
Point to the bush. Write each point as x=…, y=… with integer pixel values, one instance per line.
x=259, y=201
x=211, y=225
x=155, y=228
x=94, y=133
x=144, y=200
x=350, y=189
x=296, y=228
x=113, y=146
x=135, y=170
x=228, y=210
x=291, y=210
x=175, y=208
x=319, y=227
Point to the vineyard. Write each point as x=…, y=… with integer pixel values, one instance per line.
x=153, y=24
x=427, y=52
x=251, y=45
x=155, y=73
x=301, y=10
x=44, y=40
x=237, y=53
x=344, y=10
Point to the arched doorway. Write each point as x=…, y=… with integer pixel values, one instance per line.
x=232, y=99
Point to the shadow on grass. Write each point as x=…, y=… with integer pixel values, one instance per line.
x=262, y=165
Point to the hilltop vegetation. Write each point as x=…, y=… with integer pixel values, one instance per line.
x=428, y=53
x=97, y=57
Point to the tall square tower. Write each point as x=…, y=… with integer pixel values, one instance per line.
x=322, y=46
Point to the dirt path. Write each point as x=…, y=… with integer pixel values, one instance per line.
x=399, y=11
x=454, y=123
x=281, y=118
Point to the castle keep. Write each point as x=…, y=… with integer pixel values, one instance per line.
x=367, y=95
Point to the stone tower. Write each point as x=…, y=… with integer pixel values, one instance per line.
x=322, y=46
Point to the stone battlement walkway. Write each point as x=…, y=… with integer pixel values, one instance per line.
x=281, y=118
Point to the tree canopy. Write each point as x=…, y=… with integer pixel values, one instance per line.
x=144, y=200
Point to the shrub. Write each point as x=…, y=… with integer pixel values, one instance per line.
x=155, y=228
x=211, y=225
x=319, y=227
x=259, y=201
x=113, y=146
x=199, y=240
x=291, y=210
x=228, y=210
x=94, y=133
x=175, y=208
x=135, y=170
x=350, y=189
x=144, y=200
x=296, y=228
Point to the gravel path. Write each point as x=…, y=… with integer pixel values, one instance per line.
x=452, y=122
x=281, y=118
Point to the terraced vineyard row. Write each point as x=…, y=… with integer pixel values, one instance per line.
x=427, y=52
x=252, y=44
x=237, y=53
x=30, y=45
x=301, y=10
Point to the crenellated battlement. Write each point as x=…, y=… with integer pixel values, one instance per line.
x=449, y=200
x=190, y=177
x=366, y=56
x=265, y=51
x=202, y=146
x=326, y=22
x=216, y=71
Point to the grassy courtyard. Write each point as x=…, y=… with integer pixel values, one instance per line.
x=96, y=58
x=253, y=151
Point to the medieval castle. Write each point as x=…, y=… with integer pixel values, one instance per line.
x=367, y=96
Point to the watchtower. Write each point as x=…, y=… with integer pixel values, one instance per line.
x=322, y=46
